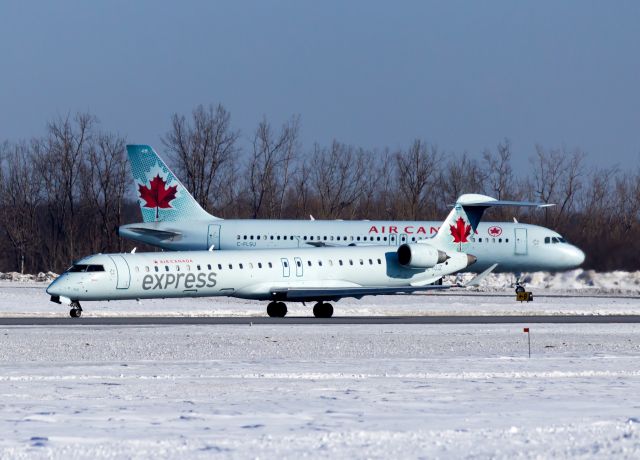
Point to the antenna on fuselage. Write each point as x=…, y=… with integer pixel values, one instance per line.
x=212, y=247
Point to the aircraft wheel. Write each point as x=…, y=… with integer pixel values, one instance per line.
x=519, y=289
x=76, y=310
x=272, y=309
x=323, y=310
x=282, y=310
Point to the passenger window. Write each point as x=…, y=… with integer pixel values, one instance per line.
x=230, y=266
x=177, y=268
x=304, y=238
x=278, y=237
x=284, y=237
x=238, y=236
x=298, y=263
x=240, y=266
x=499, y=240
x=257, y=237
x=270, y=265
x=337, y=238
x=384, y=238
x=378, y=238
x=157, y=268
x=251, y=237
x=358, y=238
x=198, y=267
x=219, y=267
x=271, y=237
x=259, y=264
x=379, y=262
x=146, y=269
x=166, y=268
x=340, y=262
x=309, y=263
x=245, y=237
x=319, y=263
x=506, y=240
x=209, y=266
x=350, y=262
x=370, y=262
x=361, y=262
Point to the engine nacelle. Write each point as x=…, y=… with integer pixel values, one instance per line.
x=420, y=256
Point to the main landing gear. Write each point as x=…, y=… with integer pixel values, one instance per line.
x=277, y=309
x=323, y=310
x=76, y=309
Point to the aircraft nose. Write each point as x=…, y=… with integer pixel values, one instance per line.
x=471, y=259
x=577, y=256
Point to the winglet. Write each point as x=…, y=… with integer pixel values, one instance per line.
x=476, y=280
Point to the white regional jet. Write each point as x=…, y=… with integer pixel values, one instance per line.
x=173, y=220
x=294, y=274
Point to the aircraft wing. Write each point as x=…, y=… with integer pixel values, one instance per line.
x=328, y=293
x=159, y=234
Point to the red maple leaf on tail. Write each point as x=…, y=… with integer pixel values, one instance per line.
x=157, y=195
x=460, y=231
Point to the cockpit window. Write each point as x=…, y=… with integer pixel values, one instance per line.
x=547, y=239
x=86, y=268
x=95, y=268
x=78, y=268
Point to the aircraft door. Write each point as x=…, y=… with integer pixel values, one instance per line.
x=521, y=241
x=213, y=238
x=393, y=239
x=286, y=270
x=298, y=262
x=122, y=272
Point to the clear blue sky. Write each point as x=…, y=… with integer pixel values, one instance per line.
x=462, y=75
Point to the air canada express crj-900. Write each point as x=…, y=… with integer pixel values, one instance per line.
x=173, y=220
x=277, y=275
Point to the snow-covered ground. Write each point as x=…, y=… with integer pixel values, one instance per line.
x=576, y=292
x=324, y=391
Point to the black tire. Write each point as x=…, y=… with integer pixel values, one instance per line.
x=328, y=310
x=272, y=309
x=519, y=289
x=282, y=310
x=323, y=310
x=74, y=313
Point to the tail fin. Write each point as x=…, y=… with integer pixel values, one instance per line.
x=161, y=195
x=465, y=216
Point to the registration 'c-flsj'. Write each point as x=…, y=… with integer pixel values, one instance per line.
x=276, y=275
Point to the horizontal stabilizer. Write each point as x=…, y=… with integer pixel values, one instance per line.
x=159, y=234
x=475, y=204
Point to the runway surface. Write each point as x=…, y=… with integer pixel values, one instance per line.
x=299, y=320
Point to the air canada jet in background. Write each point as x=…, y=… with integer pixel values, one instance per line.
x=173, y=220
x=292, y=274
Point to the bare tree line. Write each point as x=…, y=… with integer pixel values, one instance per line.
x=63, y=195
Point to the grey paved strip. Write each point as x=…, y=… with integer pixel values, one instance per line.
x=175, y=320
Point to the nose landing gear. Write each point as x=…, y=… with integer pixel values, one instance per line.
x=76, y=309
x=277, y=309
x=323, y=310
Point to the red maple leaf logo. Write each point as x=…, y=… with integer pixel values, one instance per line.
x=495, y=231
x=157, y=195
x=460, y=231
